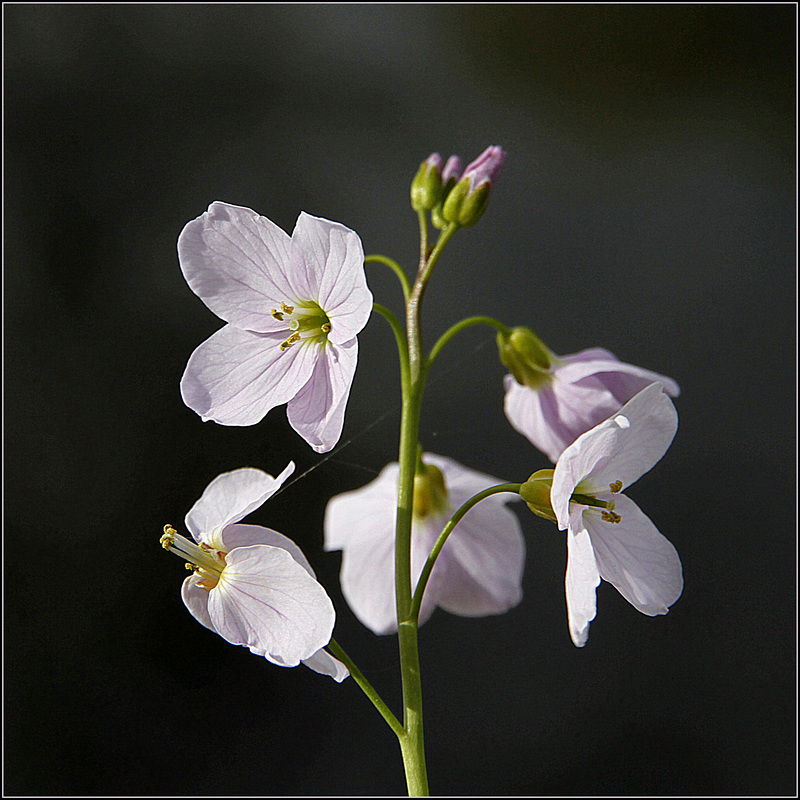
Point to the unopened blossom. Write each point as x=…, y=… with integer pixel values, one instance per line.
x=250, y=584
x=479, y=570
x=293, y=305
x=608, y=536
x=469, y=198
x=552, y=399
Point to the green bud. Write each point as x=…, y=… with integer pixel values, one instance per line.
x=465, y=206
x=430, y=492
x=526, y=356
x=426, y=188
x=536, y=493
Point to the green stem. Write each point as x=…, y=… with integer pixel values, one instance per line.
x=457, y=328
x=366, y=687
x=412, y=743
x=416, y=602
x=395, y=267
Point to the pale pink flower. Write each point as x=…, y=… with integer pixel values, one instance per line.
x=608, y=536
x=293, y=306
x=252, y=585
x=573, y=395
x=477, y=573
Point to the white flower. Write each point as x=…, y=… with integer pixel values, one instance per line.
x=477, y=573
x=608, y=536
x=252, y=585
x=293, y=306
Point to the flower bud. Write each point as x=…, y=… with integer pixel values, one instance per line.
x=468, y=199
x=426, y=188
x=536, y=493
x=526, y=356
x=450, y=175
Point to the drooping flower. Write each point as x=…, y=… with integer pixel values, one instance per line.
x=293, y=305
x=250, y=584
x=477, y=573
x=608, y=536
x=552, y=400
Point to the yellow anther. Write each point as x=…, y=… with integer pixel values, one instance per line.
x=295, y=337
x=616, y=486
x=610, y=516
x=277, y=314
x=325, y=327
x=286, y=309
x=191, y=567
x=169, y=537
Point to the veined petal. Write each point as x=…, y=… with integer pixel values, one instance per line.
x=636, y=558
x=581, y=581
x=195, y=598
x=365, y=515
x=235, y=377
x=316, y=412
x=268, y=602
x=622, y=380
x=240, y=535
x=230, y=497
x=328, y=266
x=484, y=559
x=534, y=414
x=622, y=448
x=367, y=579
x=236, y=262
x=324, y=663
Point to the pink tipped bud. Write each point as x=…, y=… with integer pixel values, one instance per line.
x=485, y=168
x=452, y=170
x=468, y=199
x=426, y=188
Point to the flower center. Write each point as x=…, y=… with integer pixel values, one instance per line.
x=608, y=514
x=430, y=491
x=203, y=560
x=306, y=321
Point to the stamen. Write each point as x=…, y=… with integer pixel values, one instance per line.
x=287, y=309
x=277, y=314
x=325, y=327
x=295, y=337
x=610, y=516
x=615, y=487
x=200, y=558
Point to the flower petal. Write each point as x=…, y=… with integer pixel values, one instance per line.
x=328, y=267
x=195, y=598
x=361, y=523
x=230, y=497
x=636, y=558
x=316, y=412
x=581, y=581
x=621, y=379
x=240, y=535
x=237, y=262
x=553, y=417
x=484, y=559
x=268, y=602
x=324, y=663
x=235, y=377
x=622, y=448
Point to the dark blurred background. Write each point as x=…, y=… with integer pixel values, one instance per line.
x=647, y=205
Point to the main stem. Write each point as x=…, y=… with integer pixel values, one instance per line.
x=412, y=742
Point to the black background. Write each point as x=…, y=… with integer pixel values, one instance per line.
x=647, y=205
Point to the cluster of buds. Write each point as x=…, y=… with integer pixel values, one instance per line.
x=452, y=196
